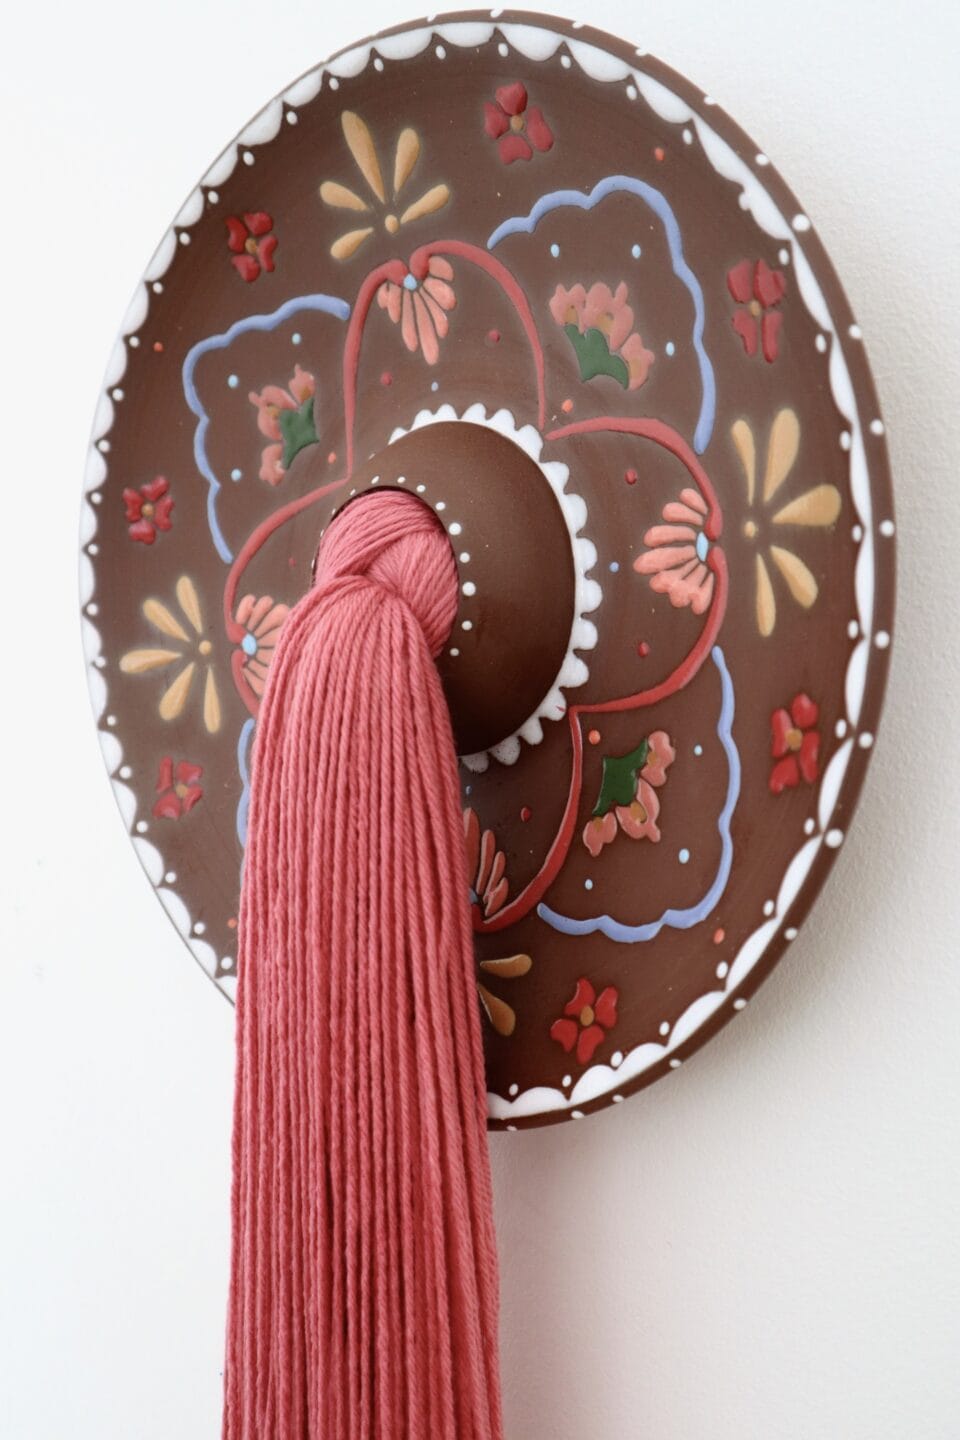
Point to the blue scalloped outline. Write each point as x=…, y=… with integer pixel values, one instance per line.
x=659, y=204
x=327, y=304
x=678, y=919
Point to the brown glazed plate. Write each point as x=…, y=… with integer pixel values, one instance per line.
x=532, y=275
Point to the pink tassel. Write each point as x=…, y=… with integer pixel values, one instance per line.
x=363, y=1292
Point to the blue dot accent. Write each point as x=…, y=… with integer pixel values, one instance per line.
x=555, y=250
x=588, y=884
x=435, y=385
x=698, y=749
x=670, y=348
x=636, y=252
x=233, y=381
x=703, y=546
x=614, y=566
x=249, y=644
x=409, y=282
x=468, y=789
x=684, y=856
x=236, y=474
x=296, y=337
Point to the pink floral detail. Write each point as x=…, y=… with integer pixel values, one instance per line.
x=677, y=552
x=586, y=1019
x=271, y=400
x=758, y=289
x=261, y=618
x=606, y=310
x=420, y=308
x=148, y=510
x=252, y=242
x=517, y=126
x=795, y=744
x=638, y=820
x=177, y=788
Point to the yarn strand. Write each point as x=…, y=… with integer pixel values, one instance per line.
x=363, y=1291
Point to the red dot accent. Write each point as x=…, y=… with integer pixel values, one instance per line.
x=493, y=337
x=659, y=152
x=719, y=936
x=567, y=406
x=525, y=813
x=232, y=923
x=386, y=378
x=158, y=346
x=594, y=737
x=631, y=477
x=331, y=457
x=643, y=649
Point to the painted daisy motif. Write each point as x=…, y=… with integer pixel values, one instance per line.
x=261, y=618
x=676, y=554
x=420, y=307
x=189, y=653
x=384, y=208
x=817, y=507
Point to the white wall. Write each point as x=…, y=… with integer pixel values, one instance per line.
x=765, y=1244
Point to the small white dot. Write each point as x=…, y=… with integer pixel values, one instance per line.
x=125, y=772
x=855, y=332
x=93, y=608
x=184, y=238
x=865, y=740
x=292, y=114
x=100, y=662
x=226, y=963
x=456, y=528
x=93, y=549
x=295, y=338
x=876, y=427
x=588, y=884
x=233, y=381
x=762, y=160
x=199, y=928
x=881, y=639
x=236, y=474
x=465, y=557
x=555, y=250
x=566, y=1082
x=469, y=588
x=514, y=1090
x=631, y=92
x=809, y=826
x=688, y=137
x=723, y=970
x=768, y=907
x=616, y=1059
x=134, y=341
x=617, y=1099
x=96, y=498
x=512, y=1129
x=675, y=1064
x=821, y=343
x=157, y=287
x=636, y=251
x=857, y=533
x=683, y=856
x=565, y=61
x=466, y=625
x=441, y=505
x=375, y=480
x=434, y=384
x=834, y=838
x=378, y=64
x=171, y=877
x=698, y=749
x=421, y=489
x=783, y=256
x=142, y=827
x=401, y=479
x=664, y=1027
x=576, y=1114
x=840, y=729
x=440, y=53
x=845, y=440
x=801, y=223
x=334, y=83
x=111, y=720
x=887, y=528
x=454, y=652
x=213, y=196
x=503, y=49
x=739, y=1004
x=853, y=629
x=118, y=394
x=248, y=157
x=790, y=933
x=103, y=446
x=670, y=348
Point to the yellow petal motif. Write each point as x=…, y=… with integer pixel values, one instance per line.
x=211, y=705
x=747, y=450
x=501, y=1016
x=348, y=244
x=161, y=619
x=174, y=697
x=364, y=151
x=781, y=451
x=408, y=150
x=189, y=604
x=766, y=604
x=432, y=201
x=511, y=967
x=137, y=662
x=331, y=193
x=803, y=585
x=819, y=506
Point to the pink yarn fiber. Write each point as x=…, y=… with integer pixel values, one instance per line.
x=363, y=1291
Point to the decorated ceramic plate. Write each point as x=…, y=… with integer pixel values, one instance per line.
x=532, y=275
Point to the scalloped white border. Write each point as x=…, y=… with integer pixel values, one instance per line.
x=535, y=43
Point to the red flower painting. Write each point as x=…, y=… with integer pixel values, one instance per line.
x=586, y=1020
x=148, y=510
x=795, y=744
x=517, y=126
x=177, y=788
x=252, y=242
x=758, y=290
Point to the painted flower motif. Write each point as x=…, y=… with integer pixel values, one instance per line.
x=177, y=788
x=361, y=145
x=420, y=307
x=485, y=866
x=599, y=325
x=192, y=651
x=628, y=795
x=676, y=554
x=817, y=507
x=253, y=243
x=502, y=1016
x=148, y=510
x=795, y=744
x=586, y=1019
x=757, y=290
x=285, y=416
x=517, y=126
x=261, y=619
